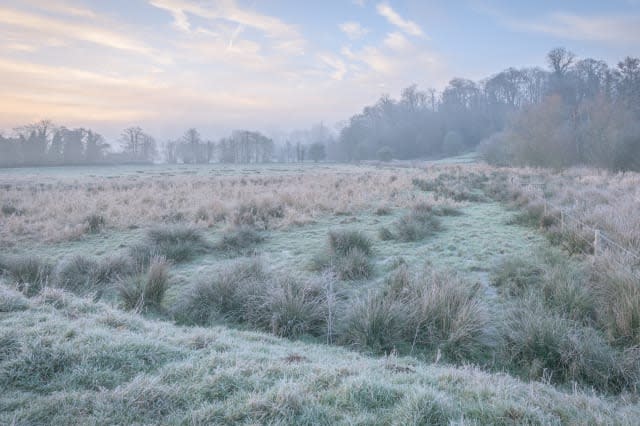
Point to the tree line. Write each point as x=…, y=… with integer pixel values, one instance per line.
x=578, y=111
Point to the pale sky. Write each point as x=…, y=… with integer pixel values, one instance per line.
x=218, y=65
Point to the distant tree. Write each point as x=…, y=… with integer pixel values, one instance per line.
x=138, y=145
x=385, y=154
x=317, y=151
x=95, y=147
x=452, y=143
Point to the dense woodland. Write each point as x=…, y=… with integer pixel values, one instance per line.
x=578, y=111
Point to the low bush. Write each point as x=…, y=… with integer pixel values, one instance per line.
x=82, y=275
x=145, y=291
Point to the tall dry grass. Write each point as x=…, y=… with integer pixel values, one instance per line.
x=56, y=208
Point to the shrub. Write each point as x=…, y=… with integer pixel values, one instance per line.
x=373, y=322
x=11, y=210
x=145, y=291
x=417, y=225
x=232, y=294
x=29, y=273
x=343, y=241
x=239, y=239
x=353, y=265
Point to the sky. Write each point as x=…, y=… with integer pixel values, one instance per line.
x=272, y=65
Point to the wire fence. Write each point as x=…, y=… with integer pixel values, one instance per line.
x=594, y=238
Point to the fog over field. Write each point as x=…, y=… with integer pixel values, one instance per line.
x=343, y=212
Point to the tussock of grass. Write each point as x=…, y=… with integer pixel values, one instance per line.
x=420, y=223
x=239, y=240
x=177, y=243
x=343, y=241
x=544, y=345
x=259, y=215
x=12, y=300
x=348, y=254
x=617, y=299
x=293, y=308
x=29, y=273
x=445, y=313
x=145, y=291
x=373, y=323
x=230, y=294
x=95, y=222
x=514, y=276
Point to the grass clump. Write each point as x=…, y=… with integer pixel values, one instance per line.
x=232, y=294
x=420, y=223
x=446, y=314
x=12, y=300
x=259, y=215
x=355, y=264
x=513, y=276
x=29, y=273
x=293, y=308
x=541, y=344
x=374, y=323
x=239, y=239
x=348, y=254
x=341, y=242
x=95, y=222
x=617, y=299
x=82, y=275
x=177, y=243
x=145, y=291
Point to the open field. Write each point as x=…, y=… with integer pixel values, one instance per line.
x=453, y=295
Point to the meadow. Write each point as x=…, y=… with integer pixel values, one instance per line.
x=423, y=293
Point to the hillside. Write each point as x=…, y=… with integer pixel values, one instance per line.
x=67, y=360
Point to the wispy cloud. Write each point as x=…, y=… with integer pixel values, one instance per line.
x=405, y=25
x=615, y=29
x=40, y=27
x=287, y=36
x=354, y=30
